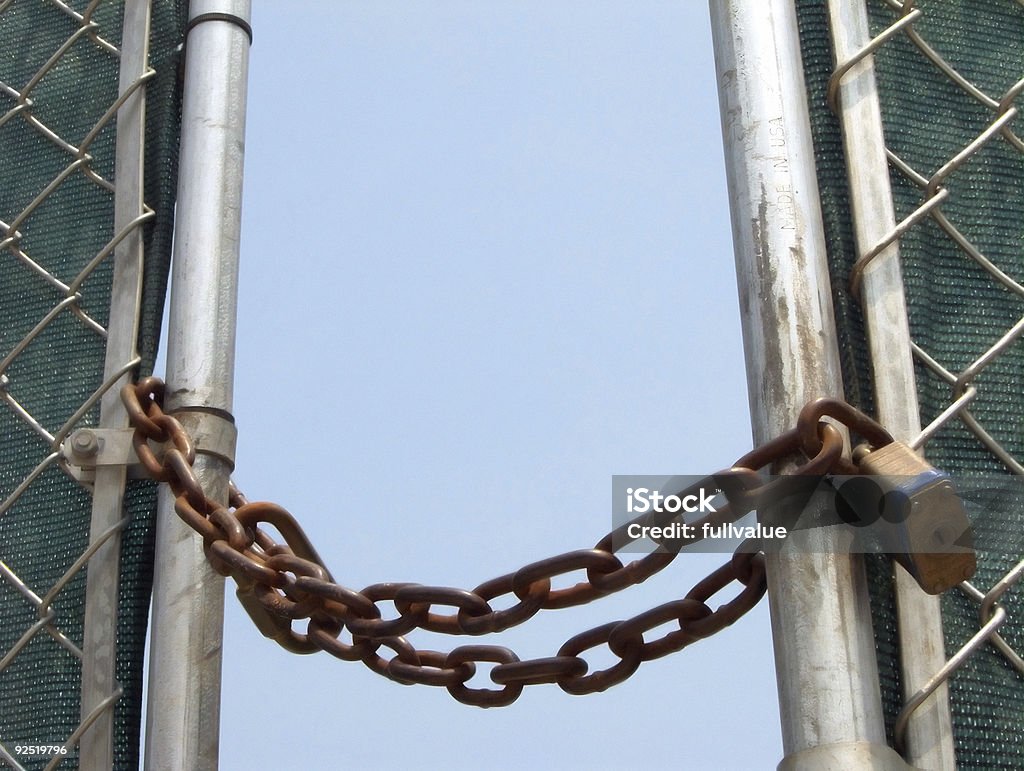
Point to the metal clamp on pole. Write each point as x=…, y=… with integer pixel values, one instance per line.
x=213, y=432
x=88, y=448
x=230, y=18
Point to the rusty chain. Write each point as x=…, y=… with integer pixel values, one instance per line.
x=280, y=584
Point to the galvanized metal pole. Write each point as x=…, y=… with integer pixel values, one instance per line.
x=929, y=733
x=99, y=647
x=824, y=649
x=183, y=709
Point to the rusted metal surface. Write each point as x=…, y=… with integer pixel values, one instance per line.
x=281, y=583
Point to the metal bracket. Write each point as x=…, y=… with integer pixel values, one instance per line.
x=88, y=448
x=213, y=433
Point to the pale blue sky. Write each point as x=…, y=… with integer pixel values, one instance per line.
x=486, y=265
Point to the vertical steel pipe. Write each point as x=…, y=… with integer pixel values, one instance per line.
x=183, y=709
x=824, y=649
x=929, y=733
x=99, y=645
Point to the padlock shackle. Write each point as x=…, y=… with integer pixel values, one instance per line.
x=851, y=417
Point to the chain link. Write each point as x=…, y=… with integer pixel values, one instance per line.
x=280, y=584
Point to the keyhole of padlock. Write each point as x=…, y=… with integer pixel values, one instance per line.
x=862, y=502
x=943, y=536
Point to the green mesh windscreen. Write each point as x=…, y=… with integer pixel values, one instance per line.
x=960, y=308
x=59, y=74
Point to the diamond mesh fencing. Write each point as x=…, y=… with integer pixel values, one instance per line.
x=73, y=229
x=950, y=75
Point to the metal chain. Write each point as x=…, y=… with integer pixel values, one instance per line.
x=282, y=583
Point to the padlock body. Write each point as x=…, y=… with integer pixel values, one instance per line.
x=923, y=525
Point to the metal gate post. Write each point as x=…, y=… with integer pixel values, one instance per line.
x=183, y=709
x=100, y=690
x=824, y=649
x=930, y=733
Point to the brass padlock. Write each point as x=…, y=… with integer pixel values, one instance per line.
x=922, y=523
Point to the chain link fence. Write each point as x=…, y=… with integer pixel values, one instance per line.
x=74, y=97
x=950, y=76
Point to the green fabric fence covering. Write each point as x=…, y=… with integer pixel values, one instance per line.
x=45, y=528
